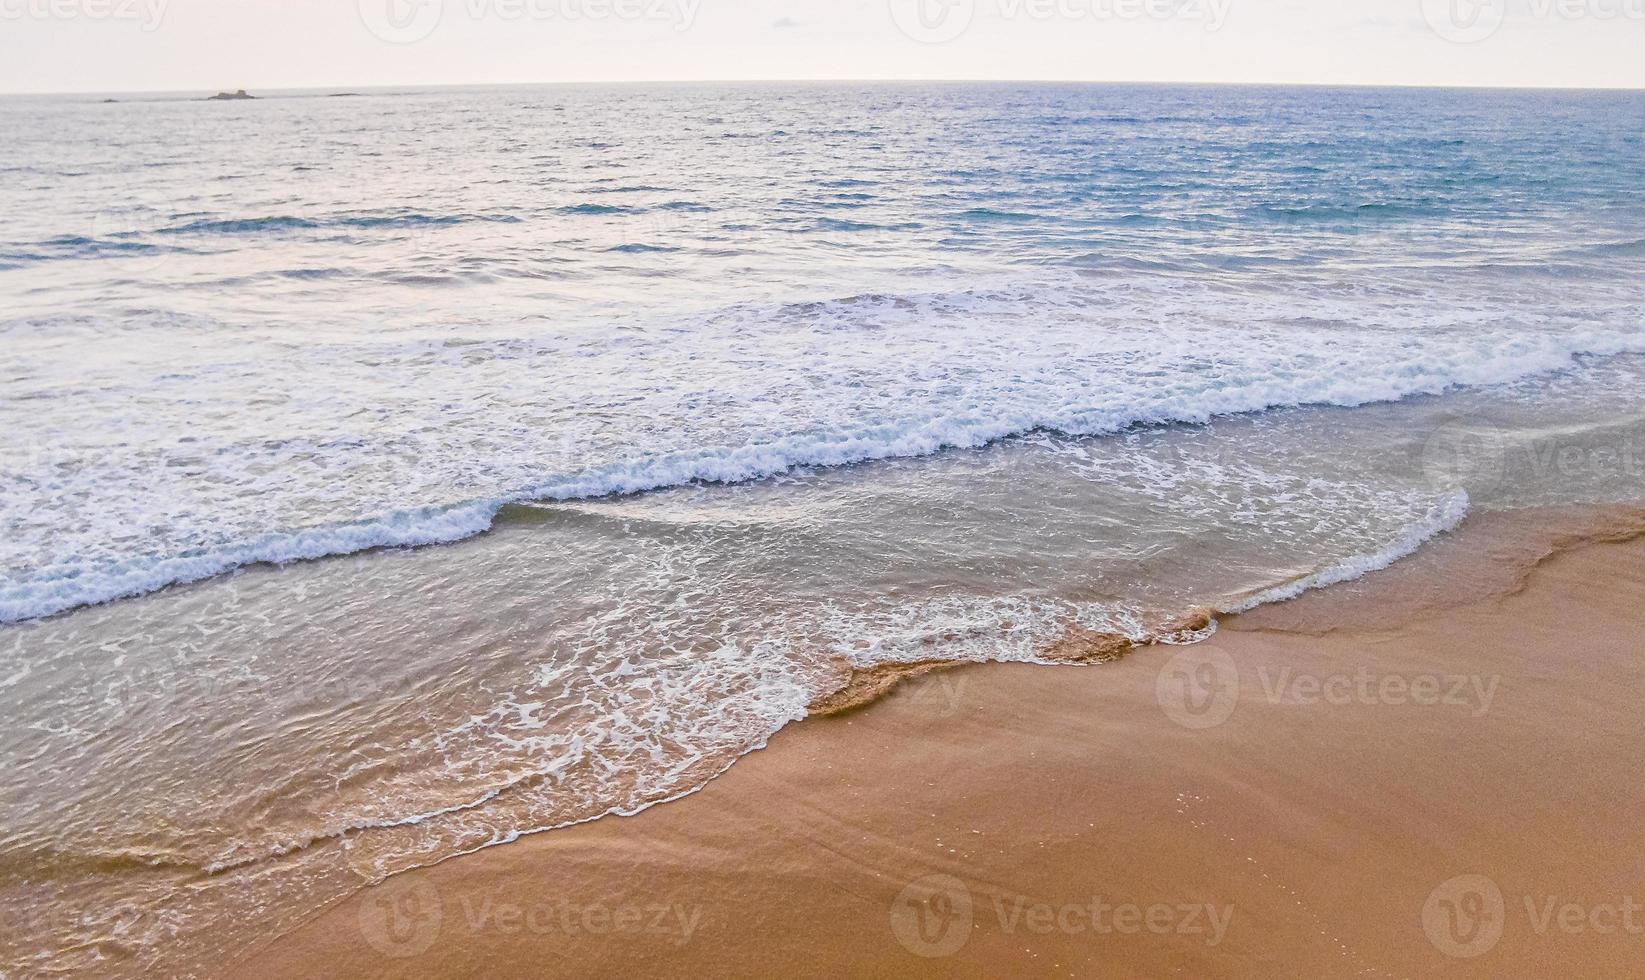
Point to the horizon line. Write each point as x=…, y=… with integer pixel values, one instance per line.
x=848, y=81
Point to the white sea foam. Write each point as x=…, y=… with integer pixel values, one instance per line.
x=916, y=376
x=1446, y=516
x=69, y=586
x=731, y=702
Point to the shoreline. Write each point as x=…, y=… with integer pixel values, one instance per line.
x=1386, y=739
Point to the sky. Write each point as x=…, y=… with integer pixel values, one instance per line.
x=206, y=45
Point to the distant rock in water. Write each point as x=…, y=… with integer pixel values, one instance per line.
x=110, y=101
x=231, y=96
x=344, y=95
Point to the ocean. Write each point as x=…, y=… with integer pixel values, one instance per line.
x=388, y=476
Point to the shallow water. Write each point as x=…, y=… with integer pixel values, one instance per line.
x=967, y=366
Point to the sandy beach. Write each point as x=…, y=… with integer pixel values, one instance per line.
x=1370, y=781
x=888, y=490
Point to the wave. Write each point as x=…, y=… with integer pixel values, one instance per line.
x=1330, y=212
x=640, y=247
x=240, y=226
x=65, y=586
x=255, y=226
x=1075, y=643
x=990, y=214
x=858, y=684
x=841, y=224
x=595, y=209
x=127, y=243
x=1629, y=249
x=78, y=247
x=1446, y=516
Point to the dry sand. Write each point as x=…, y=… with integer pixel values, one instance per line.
x=1301, y=796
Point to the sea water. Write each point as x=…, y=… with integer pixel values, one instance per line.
x=386, y=477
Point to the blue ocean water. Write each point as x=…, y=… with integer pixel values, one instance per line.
x=305, y=326
x=703, y=397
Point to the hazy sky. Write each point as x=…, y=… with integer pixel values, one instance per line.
x=127, y=45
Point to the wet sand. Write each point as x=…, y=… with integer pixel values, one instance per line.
x=1431, y=772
